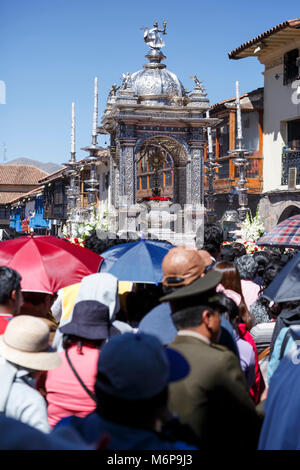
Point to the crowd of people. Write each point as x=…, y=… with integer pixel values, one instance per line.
x=200, y=358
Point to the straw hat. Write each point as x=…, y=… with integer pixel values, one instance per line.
x=26, y=343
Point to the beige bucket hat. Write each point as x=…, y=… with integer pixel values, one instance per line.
x=26, y=343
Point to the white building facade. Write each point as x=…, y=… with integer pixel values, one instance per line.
x=278, y=49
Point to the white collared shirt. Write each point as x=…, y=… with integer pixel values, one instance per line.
x=194, y=334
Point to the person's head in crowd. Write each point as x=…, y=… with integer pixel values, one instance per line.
x=181, y=266
x=11, y=297
x=98, y=242
x=247, y=267
x=262, y=258
x=270, y=310
x=213, y=239
x=271, y=270
x=199, y=298
x=37, y=304
x=274, y=252
x=227, y=253
x=201, y=319
x=239, y=249
x=26, y=344
x=232, y=312
x=90, y=324
x=231, y=280
x=132, y=380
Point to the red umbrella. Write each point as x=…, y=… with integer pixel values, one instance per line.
x=285, y=234
x=47, y=263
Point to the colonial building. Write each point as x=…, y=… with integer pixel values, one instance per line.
x=16, y=181
x=26, y=213
x=278, y=49
x=224, y=140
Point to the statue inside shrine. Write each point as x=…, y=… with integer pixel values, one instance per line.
x=152, y=36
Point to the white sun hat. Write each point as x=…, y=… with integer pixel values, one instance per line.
x=26, y=343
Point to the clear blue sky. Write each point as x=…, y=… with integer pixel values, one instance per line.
x=51, y=50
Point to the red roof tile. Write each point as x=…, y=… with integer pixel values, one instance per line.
x=7, y=197
x=295, y=24
x=220, y=103
x=20, y=174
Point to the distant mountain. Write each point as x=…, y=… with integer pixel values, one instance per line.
x=47, y=167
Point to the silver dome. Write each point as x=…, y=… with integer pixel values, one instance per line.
x=156, y=85
x=157, y=82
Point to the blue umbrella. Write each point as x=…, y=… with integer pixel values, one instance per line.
x=136, y=261
x=286, y=285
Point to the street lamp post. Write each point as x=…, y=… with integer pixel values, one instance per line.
x=211, y=167
x=91, y=160
x=73, y=192
x=240, y=161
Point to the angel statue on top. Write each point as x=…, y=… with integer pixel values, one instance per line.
x=126, y=81
x=152, y=36
x=113, y=90
x=198, y=84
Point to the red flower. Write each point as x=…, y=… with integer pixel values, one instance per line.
x=76, y=240
x=156, y=198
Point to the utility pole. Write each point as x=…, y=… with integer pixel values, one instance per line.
x=4, y=152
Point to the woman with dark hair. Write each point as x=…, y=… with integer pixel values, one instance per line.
x=247, y=267
x=231, y=300
x=262, y=258
x=227, y=253
x=239, y=249
x=232, y=280
x=260, y=308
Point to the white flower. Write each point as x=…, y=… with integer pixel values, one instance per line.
x=252, y=228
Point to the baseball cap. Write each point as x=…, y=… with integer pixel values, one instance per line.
x=181, y=266
x=136, y=366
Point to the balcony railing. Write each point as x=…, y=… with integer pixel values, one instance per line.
x=290, y=159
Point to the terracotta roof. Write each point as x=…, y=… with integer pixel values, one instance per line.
x=220, y=103
x=286, y=25
x=55, y=175
x=7, y=197
x=20, y=174
x=27, y=195
x=59, y=173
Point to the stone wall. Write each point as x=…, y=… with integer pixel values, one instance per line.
x=276, y=206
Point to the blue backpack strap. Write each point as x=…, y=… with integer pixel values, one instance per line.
x=286, y=338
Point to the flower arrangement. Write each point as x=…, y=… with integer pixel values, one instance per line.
x=76, y=241
x=156, y=198
x=76, y=232
x=251, y=247
x=252, y=228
